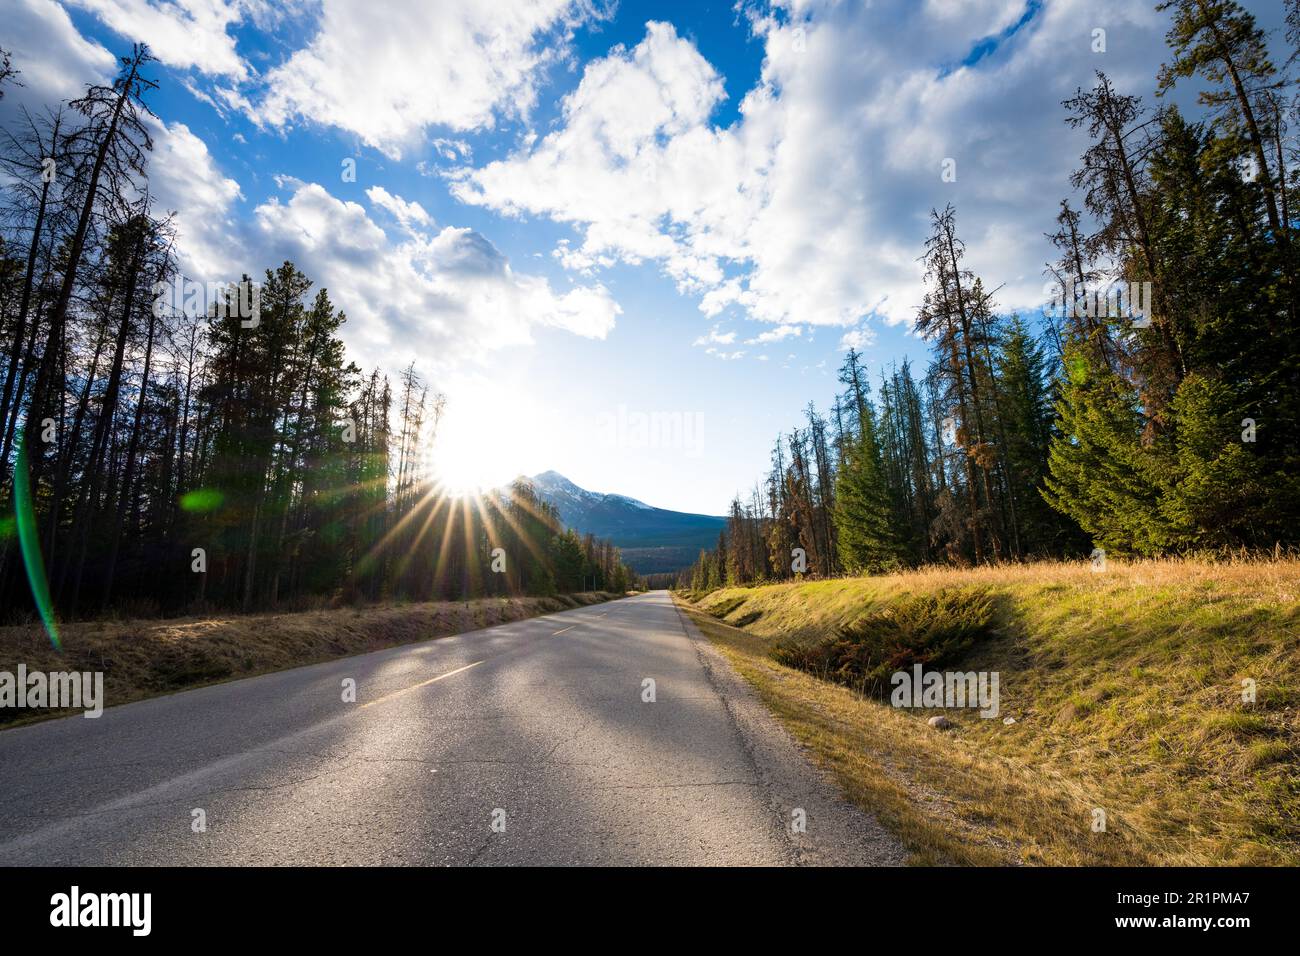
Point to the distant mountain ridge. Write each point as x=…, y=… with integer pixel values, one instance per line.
x=652, y=539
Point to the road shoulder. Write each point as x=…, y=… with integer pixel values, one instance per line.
x=836, y=833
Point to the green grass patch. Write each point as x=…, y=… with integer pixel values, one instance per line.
x=927, y=629
x=1164, y=692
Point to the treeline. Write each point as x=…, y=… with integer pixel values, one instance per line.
x=1153, y=410
x=164, y=446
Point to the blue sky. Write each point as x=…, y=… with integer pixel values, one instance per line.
x=575, y=217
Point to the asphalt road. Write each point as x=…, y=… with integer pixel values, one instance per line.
x=527, y=743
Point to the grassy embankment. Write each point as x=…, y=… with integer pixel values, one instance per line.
x=1126, y=690
x=145, y=658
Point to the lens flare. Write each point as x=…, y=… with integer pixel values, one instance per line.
x=202, y=500
x=30, y=544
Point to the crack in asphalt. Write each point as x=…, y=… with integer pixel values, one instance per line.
x=671, y=786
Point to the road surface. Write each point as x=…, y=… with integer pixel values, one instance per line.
x=530, y=743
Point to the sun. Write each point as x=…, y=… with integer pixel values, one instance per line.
x=495, y=426
x=486, y=438
x=466, y=461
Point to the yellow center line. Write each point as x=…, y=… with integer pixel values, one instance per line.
x=563, y=629
x=423, y=683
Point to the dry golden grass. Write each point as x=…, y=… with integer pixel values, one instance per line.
x=1126, y=687
x=144, y=658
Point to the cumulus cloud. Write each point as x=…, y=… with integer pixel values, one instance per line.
x=383, y=74
x=386, y=73
x=186, y=183
x=811, y=208
x=634, y=150
x=181, y=33
x=449, y=292
x=808, y=209
x=441, y=296
x=55, y=61
x=444, y=293
x=407, y=213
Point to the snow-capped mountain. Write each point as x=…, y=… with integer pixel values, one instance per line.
x=651, y=539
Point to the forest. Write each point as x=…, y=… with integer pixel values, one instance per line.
x=1150, y=410
x=166, y=447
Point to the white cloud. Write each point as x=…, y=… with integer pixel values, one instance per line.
x=634, y=148
x=858, y=339
x=54, y=60
x=185, y=181
x=385, y=73
x=973, y=18
x=181, y=33
x=57, y=63
x=716, y=338
x=444, y=295
x=724, y=355
x=453, y=149
x=407, y=213
x=436, y=295
x=776, y=334
x=811, y=208
x=808, y=209
x=450, y=291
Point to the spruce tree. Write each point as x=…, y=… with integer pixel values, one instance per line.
x=867, y=538
x=1099, y=471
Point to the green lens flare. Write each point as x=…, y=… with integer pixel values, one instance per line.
x=204, y=499
x=29, y=542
